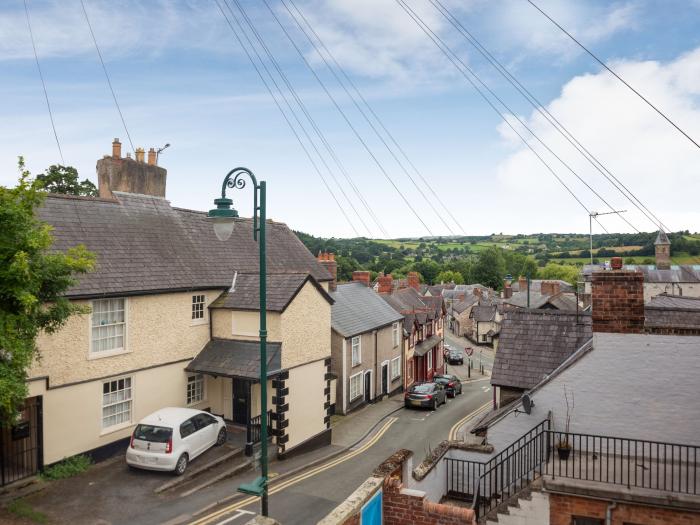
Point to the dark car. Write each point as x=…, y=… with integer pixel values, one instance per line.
x=452, y=384
x=426, y=395
x=455, y=357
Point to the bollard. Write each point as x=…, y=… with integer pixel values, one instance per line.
x=469, y=369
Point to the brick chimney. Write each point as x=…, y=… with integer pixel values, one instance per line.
x=549, y=287
x=477, y=292
x=414, y=280
x=116, y=173
x=361, y=276
x=152, y=157
x=327, y=260
x=522, y=284
x=618, y=301
x=386, y=283
x=507, y=291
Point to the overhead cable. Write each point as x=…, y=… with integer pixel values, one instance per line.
x=652, y=106
x=43, y=84
x=352, y=98
x=104, y=68
x=284, y=115
x=456, y=61
x=542, y=109
x=312, y=122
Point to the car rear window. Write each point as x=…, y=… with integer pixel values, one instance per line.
x=153, y=434
x=422, y=389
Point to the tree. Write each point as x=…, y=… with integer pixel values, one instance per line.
x=428, y=270
x=563, y=272
x=33, y=281
x=64, y=179
x=449, y=276
x=490, y=268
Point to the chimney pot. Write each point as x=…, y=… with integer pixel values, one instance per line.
x=327, y=260
x=152, y=157
x=117, y=149
x=616, y=263
x=140, y=154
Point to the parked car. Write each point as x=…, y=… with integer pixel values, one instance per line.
x=170, y=438
x=446, y=350
x=455, y=357
x=452, y=384
x=426, y=395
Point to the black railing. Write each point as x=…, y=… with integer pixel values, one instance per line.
x=668, y=467
x=255, y=425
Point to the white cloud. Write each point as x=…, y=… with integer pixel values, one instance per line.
x=650, y=157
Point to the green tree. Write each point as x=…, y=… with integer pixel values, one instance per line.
x=490, y=268
x=428, y=270
x=345, y=267
x=564, y=272
x=33, y=281
x=64, y=179
x=449, y=276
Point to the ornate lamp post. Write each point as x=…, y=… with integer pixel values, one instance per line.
x=223, y=218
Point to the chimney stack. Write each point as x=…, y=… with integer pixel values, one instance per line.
x=618, y=301
x=414, y=280
x=522, y=284
x=386, y=283
x=117, y=173
x=152, y=157
x=116, y=149
x=327, y=260
x=361, y=276
x=549, y=287
x=662, y=248
x=507, y=291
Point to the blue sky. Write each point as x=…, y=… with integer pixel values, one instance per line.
x=182, y=78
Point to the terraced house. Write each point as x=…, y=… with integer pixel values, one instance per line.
x=173, y=322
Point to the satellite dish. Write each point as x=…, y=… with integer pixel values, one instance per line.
x=527, y=404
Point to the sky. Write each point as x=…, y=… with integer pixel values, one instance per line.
x=181, y=77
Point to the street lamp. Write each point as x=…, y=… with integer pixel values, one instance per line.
x=223, y=219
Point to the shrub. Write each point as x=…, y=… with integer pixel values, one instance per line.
x=67, y=468
x=22, y=509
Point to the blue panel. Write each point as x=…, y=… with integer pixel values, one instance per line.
x=372, y=511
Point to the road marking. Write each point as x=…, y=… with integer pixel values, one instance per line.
x=236, y=516
x=488, y=389
x=481, y=410
x=298, y=478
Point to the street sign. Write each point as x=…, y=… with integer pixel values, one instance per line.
x=469, y=351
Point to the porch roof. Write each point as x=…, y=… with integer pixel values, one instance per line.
x=235, y=358
x=427, y=345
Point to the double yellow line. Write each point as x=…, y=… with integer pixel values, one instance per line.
x=479, y=411
x=210, y=518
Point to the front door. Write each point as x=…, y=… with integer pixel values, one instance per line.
x=241, y=392
x=385, y=379
x=21, y=453
x=368, y=387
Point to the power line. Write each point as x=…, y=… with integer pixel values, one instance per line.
x=284, y=115
x=104, y=68
x=357, y=106
x=375, y=159
x=542, y=109
x=456, y=61
x=43, y=84
x=615, y=74
x=315, y=127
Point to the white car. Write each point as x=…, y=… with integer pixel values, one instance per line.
x=172, y=437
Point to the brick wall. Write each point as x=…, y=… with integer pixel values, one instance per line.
x=562, y=508
x=618, y=301
x=401, y=508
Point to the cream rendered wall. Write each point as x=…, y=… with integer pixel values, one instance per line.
x=72, y=415
x=244, y=325
x=306, y=328
x=159, y=330
x=306, y=402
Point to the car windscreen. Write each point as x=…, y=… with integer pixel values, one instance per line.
x=153, y=433
x=441, y=379
x=422, y=389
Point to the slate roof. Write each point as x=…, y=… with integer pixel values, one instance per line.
x=560, y=301
x=143, y=245
x=536, y=285
x=357, y=309
x=484, y=313
x=662, y=238
x=281, y=289
x=405, y=300
x=684, y=273
x=233, y=358
x=425, y=346
x=466, y=303
x=672, y=311
x=535, y=342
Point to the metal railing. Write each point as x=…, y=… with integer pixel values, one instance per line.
x=255, y=425
x=655, y=465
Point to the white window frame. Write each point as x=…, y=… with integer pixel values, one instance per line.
x=395, y=364
x=395, y=334
x=128, y=390
x=98, y=354
x=203, y=311
x=198, y=378
x=359, y=389
x=356, y=360
x=430, y=360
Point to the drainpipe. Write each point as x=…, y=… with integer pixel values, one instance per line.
x=376, y=374
x=609, y=511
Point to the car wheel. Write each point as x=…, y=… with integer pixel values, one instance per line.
x=181, y=465
x=221, y=438
x=434, y=405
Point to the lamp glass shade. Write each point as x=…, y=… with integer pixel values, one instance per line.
x=223, y=227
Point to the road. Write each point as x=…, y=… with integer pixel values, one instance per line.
x=483, y=354
x=309, y=496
